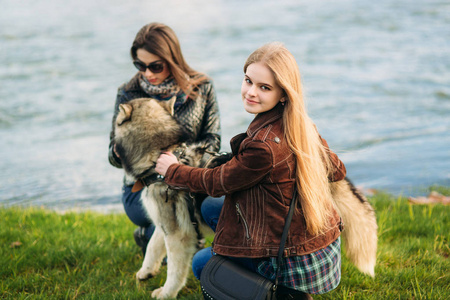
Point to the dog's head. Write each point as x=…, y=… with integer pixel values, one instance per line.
x=143, y=129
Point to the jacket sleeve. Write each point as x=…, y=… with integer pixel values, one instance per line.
x=243, y=171
x=114, y=160
x=210, y=131
x=339, y=171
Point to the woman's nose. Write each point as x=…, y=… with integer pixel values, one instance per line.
x=147, y=72
x=252, y=90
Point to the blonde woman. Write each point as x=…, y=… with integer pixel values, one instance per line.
x=280, y=150
x=161, y=74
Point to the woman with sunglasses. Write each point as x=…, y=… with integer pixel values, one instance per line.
x=162, y=74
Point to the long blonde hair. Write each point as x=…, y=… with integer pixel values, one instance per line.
x=159, y=39
x=313, y=162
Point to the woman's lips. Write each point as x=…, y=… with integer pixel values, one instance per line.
x=250, y=101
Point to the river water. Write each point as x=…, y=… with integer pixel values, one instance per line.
x=376, y=76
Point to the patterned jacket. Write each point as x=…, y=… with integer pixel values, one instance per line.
x=258, y=183
x=200, y=117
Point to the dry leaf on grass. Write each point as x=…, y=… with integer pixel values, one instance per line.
x=433, y=198
x=15, y=244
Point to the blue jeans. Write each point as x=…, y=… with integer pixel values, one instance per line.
x=135, y=210
x=210, y=209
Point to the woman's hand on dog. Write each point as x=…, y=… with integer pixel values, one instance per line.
x=164, y=161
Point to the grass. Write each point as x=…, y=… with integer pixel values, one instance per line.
x=46, y=255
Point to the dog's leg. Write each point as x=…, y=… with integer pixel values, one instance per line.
x=180, y=250
x=155, y=253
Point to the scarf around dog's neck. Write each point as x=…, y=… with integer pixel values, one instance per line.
x=164, y=91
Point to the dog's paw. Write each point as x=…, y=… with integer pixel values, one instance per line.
x=161, y=293
x=144, y=274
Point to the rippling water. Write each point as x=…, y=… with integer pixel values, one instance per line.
x=376, y=76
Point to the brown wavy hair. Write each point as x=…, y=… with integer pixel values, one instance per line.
x=161, y=40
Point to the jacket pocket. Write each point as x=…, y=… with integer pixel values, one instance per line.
x=241, y=217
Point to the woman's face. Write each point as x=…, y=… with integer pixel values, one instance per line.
x=146, y=58
x=260, y=92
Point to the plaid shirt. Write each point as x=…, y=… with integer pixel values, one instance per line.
x=314, y=273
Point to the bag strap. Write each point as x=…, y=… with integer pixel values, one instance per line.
x=287, y=224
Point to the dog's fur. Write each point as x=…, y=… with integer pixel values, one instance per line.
x=360, y=225
x=144, y=129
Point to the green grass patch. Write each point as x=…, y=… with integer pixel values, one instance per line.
x=47, y=255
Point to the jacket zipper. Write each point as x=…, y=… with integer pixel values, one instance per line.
x=241, y=217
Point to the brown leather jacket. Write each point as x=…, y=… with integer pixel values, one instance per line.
x=258, y=183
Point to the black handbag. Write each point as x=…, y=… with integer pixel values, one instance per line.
x=222, y=279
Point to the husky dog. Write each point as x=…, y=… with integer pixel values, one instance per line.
x=144, y=129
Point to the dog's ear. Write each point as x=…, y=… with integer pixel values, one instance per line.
x=124, y=113
x=169, y=104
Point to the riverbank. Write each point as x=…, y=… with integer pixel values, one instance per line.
x=88, y=255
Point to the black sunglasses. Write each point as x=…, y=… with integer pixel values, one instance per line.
x=154, y=67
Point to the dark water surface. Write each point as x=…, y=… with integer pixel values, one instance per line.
x=376, y=76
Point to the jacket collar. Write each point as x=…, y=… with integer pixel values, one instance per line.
x=265, y=118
